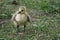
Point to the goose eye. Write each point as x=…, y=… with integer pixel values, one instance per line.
x=22, y=10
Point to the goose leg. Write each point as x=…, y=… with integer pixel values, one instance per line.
x=17, y=28
x=24, y=27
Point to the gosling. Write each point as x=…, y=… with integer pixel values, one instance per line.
x=21, y=17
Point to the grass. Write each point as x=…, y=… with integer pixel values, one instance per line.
x=45, y=15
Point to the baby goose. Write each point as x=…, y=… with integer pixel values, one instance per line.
x=21, y=17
